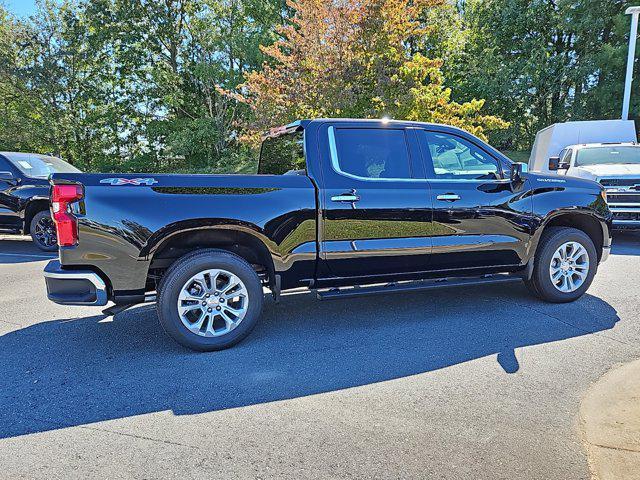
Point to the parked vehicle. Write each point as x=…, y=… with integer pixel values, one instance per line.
x=604, y=151
x=550, y=141
x=24, y=195
x=616, y=166
x=343, y=207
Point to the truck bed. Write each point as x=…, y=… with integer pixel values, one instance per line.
x=130, y=224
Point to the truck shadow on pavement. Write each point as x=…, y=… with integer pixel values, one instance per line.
x=21, y=250
x=74, y=372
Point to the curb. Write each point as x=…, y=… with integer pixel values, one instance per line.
x=610, y=424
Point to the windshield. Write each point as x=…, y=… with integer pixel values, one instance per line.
x=40, y=166
x=607, y=155
x=282, y=154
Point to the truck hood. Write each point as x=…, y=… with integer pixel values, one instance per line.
x=611, y=170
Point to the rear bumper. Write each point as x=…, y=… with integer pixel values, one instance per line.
x=74, y=287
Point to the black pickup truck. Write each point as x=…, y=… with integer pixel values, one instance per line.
x=343, y=207
x=24, y=195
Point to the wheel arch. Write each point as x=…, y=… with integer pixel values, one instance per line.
x=584, y=221
x=34, y=206
x=240, y=240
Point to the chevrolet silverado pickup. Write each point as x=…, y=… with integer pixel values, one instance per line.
x=342, y=207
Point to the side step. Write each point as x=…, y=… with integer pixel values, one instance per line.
x=396, y=287
x=115, y=309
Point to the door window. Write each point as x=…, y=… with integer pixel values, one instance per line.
x=375, y=153
x=455, y=158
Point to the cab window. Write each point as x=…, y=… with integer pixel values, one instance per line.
x=283, y=154
x=371, y=152
x=452, y=157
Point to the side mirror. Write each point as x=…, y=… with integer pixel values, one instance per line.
x=554, y=163
x=517, y=170
x=8, y=177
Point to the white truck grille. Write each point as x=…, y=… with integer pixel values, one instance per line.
x=623, y=202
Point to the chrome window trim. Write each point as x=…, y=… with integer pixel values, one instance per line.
x=499, y=162
x=333, y=151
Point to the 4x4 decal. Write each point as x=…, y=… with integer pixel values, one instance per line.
x=129, y=181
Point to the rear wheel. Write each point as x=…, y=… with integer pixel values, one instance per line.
x=210, y=300
x=43, y=231
x=565, y=264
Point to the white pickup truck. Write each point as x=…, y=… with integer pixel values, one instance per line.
x=604, y=151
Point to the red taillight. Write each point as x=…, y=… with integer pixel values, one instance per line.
x=66, y=222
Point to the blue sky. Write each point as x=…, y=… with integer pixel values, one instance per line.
x=20, y=8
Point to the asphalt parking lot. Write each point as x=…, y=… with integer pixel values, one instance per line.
x=483, y=382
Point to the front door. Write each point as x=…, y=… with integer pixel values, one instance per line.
x=9, y=218
x=481, y=217
x=375, y=214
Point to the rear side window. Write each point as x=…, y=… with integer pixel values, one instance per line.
x=371, y=152
x=283, y=154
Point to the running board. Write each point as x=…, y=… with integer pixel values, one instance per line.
x=396, y=287
x=117, y=308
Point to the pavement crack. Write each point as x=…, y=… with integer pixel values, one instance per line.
x=621, y=449
x=57, y=426
x=139, y=437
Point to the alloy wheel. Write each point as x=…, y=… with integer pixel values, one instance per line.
x=45, y=232
x=569, y=267
x=213, y=303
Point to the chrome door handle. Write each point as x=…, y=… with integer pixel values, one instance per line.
x=451, y=197
x=345, y=197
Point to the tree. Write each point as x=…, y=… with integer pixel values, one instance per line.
x=354, y=59
x=131, y=85
x=537, y=62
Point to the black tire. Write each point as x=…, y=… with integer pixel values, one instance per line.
x=43, y=231
x=540, y=283
x=185, y=268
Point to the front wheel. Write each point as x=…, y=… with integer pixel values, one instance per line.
x=564, y=266
x=209, y=300
x=43, y=231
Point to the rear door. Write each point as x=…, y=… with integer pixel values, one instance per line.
x=481, y=218
x=375, y=214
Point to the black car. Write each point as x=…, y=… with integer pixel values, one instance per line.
x=342, y=207
x=24, y=195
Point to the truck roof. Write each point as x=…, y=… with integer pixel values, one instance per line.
x=304, y=123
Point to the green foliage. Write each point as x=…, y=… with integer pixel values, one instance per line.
x=537, y=62
x=356, y=59
x=147, y=85
x=131, y=85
